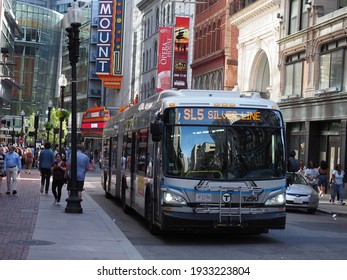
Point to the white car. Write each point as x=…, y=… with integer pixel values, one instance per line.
x=299, y=194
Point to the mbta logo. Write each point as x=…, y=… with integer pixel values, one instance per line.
x=226, y=197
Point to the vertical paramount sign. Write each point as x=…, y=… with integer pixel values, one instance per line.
x=109, y=57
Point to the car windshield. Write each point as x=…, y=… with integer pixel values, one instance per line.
x=224, y=152
x=298, y=179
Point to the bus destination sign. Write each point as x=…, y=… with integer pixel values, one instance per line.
x=208, y=115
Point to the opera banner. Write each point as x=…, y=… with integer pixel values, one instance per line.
x=181, y=53
x=164, y=58
x=109, y=57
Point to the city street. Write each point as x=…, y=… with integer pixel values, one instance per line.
x=309, y=237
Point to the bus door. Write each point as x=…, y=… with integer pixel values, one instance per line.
x=156, y=173
x=113, y=165
x=140, y=167
x=130, y=139
x=106, y=165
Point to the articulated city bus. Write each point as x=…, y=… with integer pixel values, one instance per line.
x=198, y=159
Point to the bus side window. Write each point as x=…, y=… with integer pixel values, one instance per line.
x=149, y=171
x=114, y=152
x=141, y=150
x=127, y=145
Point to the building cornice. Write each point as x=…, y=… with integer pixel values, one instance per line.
x=252, y=11
x=144, y=4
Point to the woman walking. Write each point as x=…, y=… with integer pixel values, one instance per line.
x=28, y=159
x=323, y=177
x=337, y=179
x=58, y=171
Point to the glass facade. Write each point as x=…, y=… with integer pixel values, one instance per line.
x=37, y=58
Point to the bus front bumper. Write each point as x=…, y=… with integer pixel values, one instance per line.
x=246, y=222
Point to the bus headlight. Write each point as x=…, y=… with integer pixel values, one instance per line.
x=173, y=199
x=279, y=199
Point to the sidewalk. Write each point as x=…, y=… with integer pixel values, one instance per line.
x=33, y=228
x=326, y=207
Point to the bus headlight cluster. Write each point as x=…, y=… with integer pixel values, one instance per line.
x=279, y=199
x=173, y=199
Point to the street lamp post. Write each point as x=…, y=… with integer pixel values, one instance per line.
x=62, y=84
x=13, y=123
x=21, y=140
x=72, y=21
x=49, y=105
x=36, y=126
x=22, y=113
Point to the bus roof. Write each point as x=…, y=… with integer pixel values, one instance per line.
x=202, y=98
x=215, y=98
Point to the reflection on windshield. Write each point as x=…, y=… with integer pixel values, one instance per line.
x=223, y=153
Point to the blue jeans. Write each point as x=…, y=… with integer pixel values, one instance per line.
x=45, y=178
x=333, y=191
x=340, y=191
x=337, y=189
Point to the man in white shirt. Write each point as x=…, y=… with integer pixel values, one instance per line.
x=12, y=167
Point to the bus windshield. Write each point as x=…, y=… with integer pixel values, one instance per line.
x=238, y=146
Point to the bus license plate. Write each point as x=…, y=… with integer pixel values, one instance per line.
x=203, y=197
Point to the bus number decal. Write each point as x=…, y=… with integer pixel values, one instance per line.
x=250, y=199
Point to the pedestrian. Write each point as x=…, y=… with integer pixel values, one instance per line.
x=12, y=167
x=19, y=151
x=337, y=179
x=323, y=177
x=302, y=168
x=58, y=171
x=84, y=164
x=293, y=163
x=36, y=157
x=2, y=171
x=46, y=161
x=312, y=175
x=29, y=159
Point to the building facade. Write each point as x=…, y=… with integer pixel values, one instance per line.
x=9, y=30
x=313, y=85
x=156, y=15
x=36, y=64
x=215, y=54
x=257, y=48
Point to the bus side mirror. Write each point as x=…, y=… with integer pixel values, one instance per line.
x=156, y=130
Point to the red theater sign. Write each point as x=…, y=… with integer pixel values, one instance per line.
x=93, y=121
